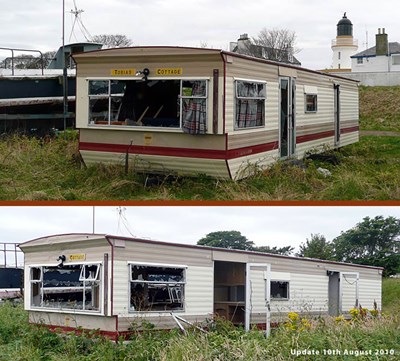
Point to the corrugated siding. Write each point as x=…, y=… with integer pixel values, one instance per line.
x=248, y=165
x=199, y=290
x=121, y=289
x=163, y=253
x=370, y=290
x=307, y=293
x=322, y=120
x=348, y=292
x=48, y=254
x=161, y=164
x=257, y=292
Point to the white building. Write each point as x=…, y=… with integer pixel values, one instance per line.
x=383, y=57
x=343, y=46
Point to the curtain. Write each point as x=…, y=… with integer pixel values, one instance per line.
x=249, y=112
x=194, y=110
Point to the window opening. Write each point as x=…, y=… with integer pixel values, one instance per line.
x=156, y=288
x=280, y=290
x=70, y=287
x=154, y=103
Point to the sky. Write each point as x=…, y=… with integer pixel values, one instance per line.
x=264, y=225
x=37, y=24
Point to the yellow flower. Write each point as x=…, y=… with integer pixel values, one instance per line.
x=293, y=316
x=340, y=319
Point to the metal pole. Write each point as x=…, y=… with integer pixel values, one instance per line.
x=65, y=95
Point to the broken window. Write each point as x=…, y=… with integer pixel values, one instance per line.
x=74, y=287
x=156, y=288
x=180, y=104
x=250, y=104
x=280, y=290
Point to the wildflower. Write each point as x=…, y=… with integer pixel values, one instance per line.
x=340, y=319
x=293, y=316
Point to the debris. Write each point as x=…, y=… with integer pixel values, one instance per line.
x=325, y=172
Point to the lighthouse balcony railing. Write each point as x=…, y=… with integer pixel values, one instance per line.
x=347, y=41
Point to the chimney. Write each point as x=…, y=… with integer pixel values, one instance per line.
x=382, y=45
x=243, y=44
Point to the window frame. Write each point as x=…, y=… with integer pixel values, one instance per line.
x=180, y=98
x=395, y=59
x=257, y=98
x=360, y=61
x=274, y=298
x=156, y=265
x=87, y=283
x=314, y=102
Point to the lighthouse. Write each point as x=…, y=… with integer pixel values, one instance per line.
x=344, y=45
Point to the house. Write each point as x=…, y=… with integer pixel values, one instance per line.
x=246, y=47
x=113, y=284
x=190, y=111
x=378, y=65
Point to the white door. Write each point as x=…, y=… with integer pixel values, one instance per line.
x=258, y=294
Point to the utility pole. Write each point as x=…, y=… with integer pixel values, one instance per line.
x=65, y=78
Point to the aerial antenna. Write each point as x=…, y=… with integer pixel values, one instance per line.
x=78, y=21
x=122, y=219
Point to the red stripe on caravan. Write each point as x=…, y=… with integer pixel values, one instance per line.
x=179, y=152
x=349, y=130
x=315, y=136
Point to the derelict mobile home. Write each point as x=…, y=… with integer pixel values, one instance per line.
x=192, y=111
x=111, y=283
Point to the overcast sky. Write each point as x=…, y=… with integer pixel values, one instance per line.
x=38, y=24
x=264, y=225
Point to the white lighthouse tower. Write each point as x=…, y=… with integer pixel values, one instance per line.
x=344, y=45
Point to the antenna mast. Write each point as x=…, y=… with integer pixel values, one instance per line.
x=78, y=20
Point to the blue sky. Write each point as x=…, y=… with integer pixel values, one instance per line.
x=38, y=24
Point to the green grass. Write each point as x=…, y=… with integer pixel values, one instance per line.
x=391, y=295
x=20, y=340
x=38, y=170
x=35, y=170
x=380, y=108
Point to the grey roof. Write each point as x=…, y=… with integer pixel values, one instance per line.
x=394, y=48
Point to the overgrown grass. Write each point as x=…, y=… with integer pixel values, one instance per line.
x=37, y=170
x=391, y=295
x=22, y=341
x=380, y=108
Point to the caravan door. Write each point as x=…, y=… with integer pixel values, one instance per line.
x=258, y=294
x=287, y=124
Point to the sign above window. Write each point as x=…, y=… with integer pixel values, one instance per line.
x=169, y=71
x=123, y=72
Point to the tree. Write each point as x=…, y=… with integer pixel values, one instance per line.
x=273, y=44
x=373, y=242
x=226, y=239
x=28, y=61
x=286, y=251
x=316, y=247
x=112, y=40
